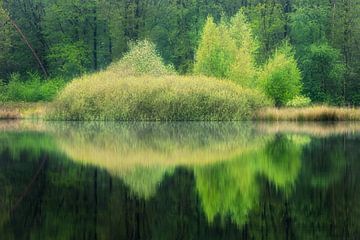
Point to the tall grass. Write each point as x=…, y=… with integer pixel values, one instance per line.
x=316, y=113
x=108, y=96
x=22, y=110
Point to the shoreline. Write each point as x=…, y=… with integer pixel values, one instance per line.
x=25, y=110
x=22, y=110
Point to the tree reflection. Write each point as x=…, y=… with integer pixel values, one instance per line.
x=231, y=189
x=203, y=181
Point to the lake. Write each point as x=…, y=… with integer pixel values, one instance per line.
x=198, y=180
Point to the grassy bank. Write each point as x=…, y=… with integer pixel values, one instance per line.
x=22, y=110
x=316, y=113
x=107, y=96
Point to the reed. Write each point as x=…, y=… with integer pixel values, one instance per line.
x=21, y=110
x=315, y=113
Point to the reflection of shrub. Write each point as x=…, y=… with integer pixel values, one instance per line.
x=299, y=101
x=108, y=96
x=144, y=181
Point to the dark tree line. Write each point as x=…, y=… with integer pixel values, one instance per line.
x=71, y=37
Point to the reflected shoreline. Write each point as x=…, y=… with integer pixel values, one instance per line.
x=233, y=170
x=316, y=129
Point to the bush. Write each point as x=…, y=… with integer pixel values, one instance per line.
x=281, y=78
x=299, y=101
x=142, y=59
x=33, y=89
x=141, y=87
x=108, y=96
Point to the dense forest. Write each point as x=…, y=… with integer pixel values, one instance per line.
x=63, y=39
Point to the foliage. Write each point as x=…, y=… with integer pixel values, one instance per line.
x=268, y=21
x=299, y=101
x=216, y=51
x=68, y=59
x=6, y=44
x=73, y=37
x=226, y=51
x=281, y=78
x=141, y=59
x=243, y=70
x=309, y=22
x=323, y=73
x=154, y=98
x=32, y=89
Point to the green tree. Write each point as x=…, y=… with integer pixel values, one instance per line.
x=309, y=22
x=243, y=70
x=68, y=59
x=281, y=78
x=226, y=50
x=216, y=51
x=268, y=22
x=323, y=72
x=6, y=34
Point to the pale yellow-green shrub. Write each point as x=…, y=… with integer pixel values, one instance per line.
x=141, y=59
x=109, y=96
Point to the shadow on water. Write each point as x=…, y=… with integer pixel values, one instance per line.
x=190, y=180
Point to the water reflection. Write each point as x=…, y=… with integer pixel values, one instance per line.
x=194, y=180
x=143, y=153
x=232, y=188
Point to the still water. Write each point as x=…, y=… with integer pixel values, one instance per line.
x=179, y=180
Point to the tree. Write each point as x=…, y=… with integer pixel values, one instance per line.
x=68, y=59
x=345, y=35
x=226, y=50
x=9, y=19
x=243, y=70
x=281, y=78
x=268, y=22
x=309, y=22
x=216, y=51
x=323, y=72
x=6, y=34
